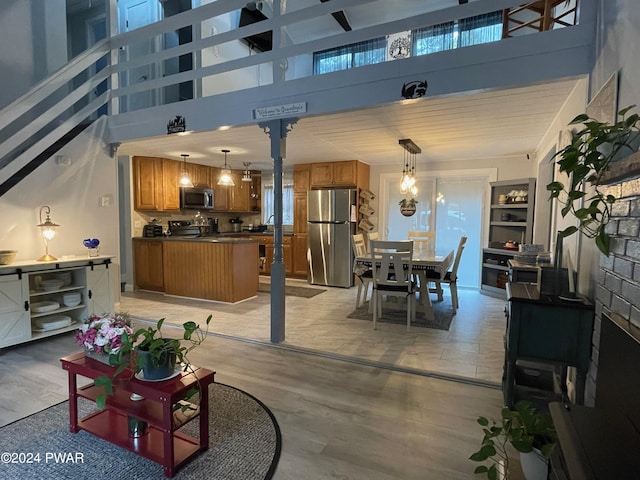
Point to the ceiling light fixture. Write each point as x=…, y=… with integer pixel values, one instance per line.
x=246, y=175
x=185, y=179
x=408, y=182
x=48, y=229
x=225, y=174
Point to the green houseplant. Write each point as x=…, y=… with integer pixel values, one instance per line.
x=523, y=428
x=150, y=349
x=585, y=160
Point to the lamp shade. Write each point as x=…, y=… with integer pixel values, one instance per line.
x=48, y=230
x=185, y=179
x=225, y=178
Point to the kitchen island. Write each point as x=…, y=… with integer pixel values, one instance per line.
x=213, y=268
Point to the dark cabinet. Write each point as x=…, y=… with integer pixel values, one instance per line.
x=546, y=331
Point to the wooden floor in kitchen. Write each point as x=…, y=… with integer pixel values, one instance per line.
x=339, y=419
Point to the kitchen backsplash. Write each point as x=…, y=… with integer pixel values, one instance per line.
x=141, y=219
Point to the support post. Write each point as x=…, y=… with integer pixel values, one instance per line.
x=277, y=131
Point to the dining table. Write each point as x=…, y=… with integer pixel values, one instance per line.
x=423, y=260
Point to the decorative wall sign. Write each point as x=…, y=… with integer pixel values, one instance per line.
x=414, y=89
x=399, y=45
x=177, y=125
x=265, y=113
x=408, y=206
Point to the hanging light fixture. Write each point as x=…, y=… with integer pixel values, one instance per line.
x=408, y=181
x=48, y=229
x=225, y=174
x=246, y=175
x=185, y=179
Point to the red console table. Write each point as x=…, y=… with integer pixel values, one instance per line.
x=162, y=443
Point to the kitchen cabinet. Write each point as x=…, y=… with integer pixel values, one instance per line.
x=300, y=263
x=265, y=248
x=508, y=220
x=170, y=189
x=236, y=198
x=155, y=184
x=220, y=192
x=301, y=179
x=334, y=174
x=30, y=311
x=148, y=271
x=200, y=174
x=239, y=193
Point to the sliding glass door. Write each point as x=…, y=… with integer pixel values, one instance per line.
x=450, y=204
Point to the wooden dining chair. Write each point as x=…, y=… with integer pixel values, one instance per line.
x=423, y=241
x=372, y=236
x=451, y=277
x=392, y=265
x=362, y=272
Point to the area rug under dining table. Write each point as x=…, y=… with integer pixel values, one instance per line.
x=443, y=316
x=245, y=444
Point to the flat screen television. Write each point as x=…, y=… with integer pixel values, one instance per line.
x=261, y=41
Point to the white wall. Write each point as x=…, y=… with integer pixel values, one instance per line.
x=74, y=194
x=33, y=38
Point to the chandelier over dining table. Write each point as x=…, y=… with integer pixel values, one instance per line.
x=408, y=181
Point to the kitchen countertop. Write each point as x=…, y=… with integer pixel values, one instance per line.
x=206, y=239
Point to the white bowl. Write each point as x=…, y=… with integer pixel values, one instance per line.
x=71, y=299
x=65, y=277
x=51, y=284
x=41, y=307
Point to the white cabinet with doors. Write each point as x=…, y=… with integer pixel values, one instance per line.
x=42, y=299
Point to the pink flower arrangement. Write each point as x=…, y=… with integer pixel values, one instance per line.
x=103, y=334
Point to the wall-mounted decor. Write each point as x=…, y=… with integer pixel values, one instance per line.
x=177, y=125
x=414, y=89
x=399, y=45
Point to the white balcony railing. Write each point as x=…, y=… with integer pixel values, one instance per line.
x=141, y=74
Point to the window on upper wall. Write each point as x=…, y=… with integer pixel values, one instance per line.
x=349, y=56
x=434, y=38
x=268, y=206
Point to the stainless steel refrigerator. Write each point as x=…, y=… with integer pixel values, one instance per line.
x=331, y=223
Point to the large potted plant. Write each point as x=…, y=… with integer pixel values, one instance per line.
x=146, y=350
x=585, y=161
x=527, y=430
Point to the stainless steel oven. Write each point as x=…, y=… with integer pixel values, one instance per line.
x=196, y=198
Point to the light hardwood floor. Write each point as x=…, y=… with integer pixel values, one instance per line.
x=339, y=420
x=472, y=347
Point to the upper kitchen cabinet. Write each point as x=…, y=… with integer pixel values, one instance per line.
x=338, y=174
x=221, y=193
x=301, y=178
x=239, y=194
x=155, y=183
x=200, y=175
x=170, y=188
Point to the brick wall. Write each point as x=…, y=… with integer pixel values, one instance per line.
x=618, y=279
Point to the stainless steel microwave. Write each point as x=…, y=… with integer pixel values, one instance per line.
x=196, y=198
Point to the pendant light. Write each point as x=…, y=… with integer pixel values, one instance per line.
x=246, y=175
x=408, y=181
x=225, y=174
x=185, y=179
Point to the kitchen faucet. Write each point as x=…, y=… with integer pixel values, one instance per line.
x=269, y=219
